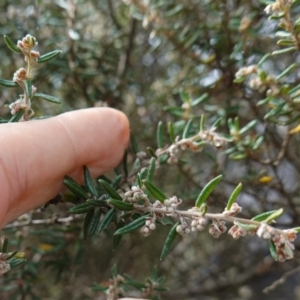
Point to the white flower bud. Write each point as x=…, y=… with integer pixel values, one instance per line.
x=152, y=226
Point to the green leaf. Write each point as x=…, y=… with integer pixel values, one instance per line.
x=169, y=241
x=285, y=50
x=216, y=124
x=287, y=70
x=273, y=251
x=233, y=196
x=17, y=116
x=134, y=144
x=81, y=208
x=116, y=182
x=248, y=126
x=133, y=282
x=184, y=97
x=106, y=220
x=48, y=56
x=258, y=142
x=297, y=229
x=87, y=220
x=155, y=191
x=202, y=123
x=47, y=98
x=200, y=99
x=109, y=190
x=15, y=262
x=117, y=238
x=89, y=181
x=134, y=225
x=187, y=129
x=263, y=59
x=276, y=214
x=28, y=86
x=263, y=216
x=275, y=111
x=11, y=45
x=97, y=203
x=151, y=170
x=5, y=245
x=171, y=132
x=209, y=187
x=94, y=223
x=8, y=83
x=151, y=152
x=74, y=187
x=159, y=135
x=121, y=205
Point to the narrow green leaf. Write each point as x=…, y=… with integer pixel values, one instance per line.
x=5, y=246
x=273, y=251
x=184, y=96
x=151, y=170
x=187, y=129
x=276, y=214
x=136, y=224
x=116, y=182
x=48, y=56
x=17, y=116
x=144, y=173
x=248, y=126
x=275, y=111
x=155, y=191
x=11, y=45
x=15, y=262
x=133, y=282
x=200, y=99
x=263, y=59
x=216, y=124
x=263, y=216
x=106, y=220
x=209, y=187
x=297, y=229
x=89, y=181
x=159, y=135
x=247, y=227
x=94, y=223
x=121, y=205
x=234, y=195
x=171, y=132
x=8, y=83
x=117, y=238
x=287, y=70
x=74, y=187
x=47, y=98
x=202, y=123
x=151, y=152
x=285, y=50
x=134, y=144
x=109, y=190
x=169, y=241
x=258, y=142
x=28, y=86
x=81, y=208
x=87, y=220
x=97, y=203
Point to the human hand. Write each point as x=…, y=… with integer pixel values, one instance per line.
x=36, y=155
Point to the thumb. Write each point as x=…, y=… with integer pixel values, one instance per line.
x=36, y=155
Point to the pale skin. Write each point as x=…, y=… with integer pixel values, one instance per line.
x=36, y=155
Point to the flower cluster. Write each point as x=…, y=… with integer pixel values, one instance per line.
x=217, y=228
x=148, y=227
x=114, y=290
x=282, y=240
x=4, y=265
x=26, y=45
x=237, y=231
x=135, y=194
x=198, y=223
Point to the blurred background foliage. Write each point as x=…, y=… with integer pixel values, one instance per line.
x=160, y=60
